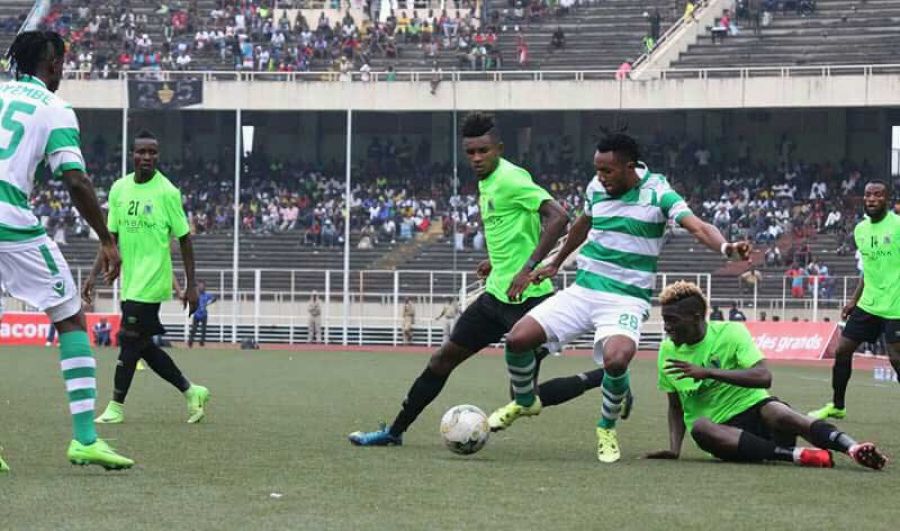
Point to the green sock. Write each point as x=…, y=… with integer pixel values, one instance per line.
x=79, y=371
x=614, y=390
x=521, y=374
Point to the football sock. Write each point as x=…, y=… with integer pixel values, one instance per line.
x=423, y=391
x=79, y=371
x=614, y=390
x=559, y=390
x=827, y=436
x=129, y=354
x=840, y=376
x=521, y=367
x=539, y=355
x=164, y=366
x=753, y=448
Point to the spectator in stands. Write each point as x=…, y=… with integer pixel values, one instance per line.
x=773, y=255
x=521, y=51
x=624, y=71
x=201, y=315
x=833, y=221
x=409, y=319
x=797, y=276
x=102, y=333
x=735, y=314
x=655, y=23
x=689, y=8
x=558, y=39
x=762, y=316
x=716, y=314
x=750, y=279
x=314, y=324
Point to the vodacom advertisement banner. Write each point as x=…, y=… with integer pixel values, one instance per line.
x=794, y=341
x=21, y=328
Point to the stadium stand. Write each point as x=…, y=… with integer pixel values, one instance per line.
x=832, y=32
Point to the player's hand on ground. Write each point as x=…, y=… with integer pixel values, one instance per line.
x=682, y=369
x=190, y=299
x=847, y=310
x=87, y=291
x=661, y=454
x=518, y=285
x=741, y=249
x=110, y=262
x=543, y=273
x=483, y=269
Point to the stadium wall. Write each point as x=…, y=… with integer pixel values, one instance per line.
x=809, y=91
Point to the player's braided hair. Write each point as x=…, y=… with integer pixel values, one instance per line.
x=479, y=124
x=617, y=141
x=682, y=290
x=31, y=48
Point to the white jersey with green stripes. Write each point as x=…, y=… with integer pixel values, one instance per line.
x=37, y=130
x=626, y=236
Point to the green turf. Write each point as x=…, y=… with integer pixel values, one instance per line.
x=278, y=422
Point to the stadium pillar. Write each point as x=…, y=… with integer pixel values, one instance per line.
x=235, y=257
x=815, y=299
x=455, y=135
x=125, y=127
x=347, y=201
x=396, y=304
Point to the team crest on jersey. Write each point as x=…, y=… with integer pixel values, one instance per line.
x=887, y=240
x=60, y=288
x=148, y=208
x=490, y=205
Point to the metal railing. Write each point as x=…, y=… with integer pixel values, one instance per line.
x=418, y=76
x=271, y=304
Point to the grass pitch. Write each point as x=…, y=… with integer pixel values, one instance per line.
x=273, y=454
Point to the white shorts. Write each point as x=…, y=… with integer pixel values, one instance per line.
x=576, y=310
x=36, y=273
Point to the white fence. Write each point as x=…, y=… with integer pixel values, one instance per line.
x=271, y=305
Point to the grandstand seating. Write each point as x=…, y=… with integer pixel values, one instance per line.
x=838, y=33
x=16, y=9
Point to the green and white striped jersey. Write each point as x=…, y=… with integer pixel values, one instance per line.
x=37, y=130
x=626, y=237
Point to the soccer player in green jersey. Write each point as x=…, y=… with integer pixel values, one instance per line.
x=716, y=380
x=40, y=132
x=627, y=210
x=145, y=213
x=512, y=209
x=874, y=308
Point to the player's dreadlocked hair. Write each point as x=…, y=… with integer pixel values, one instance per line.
x=620, y=143
x=682, y=290
x=30, y=48
x=479, y=124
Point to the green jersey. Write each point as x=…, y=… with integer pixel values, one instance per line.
x=879, y=245
x=509, y=201
x=726, y=346
x=145, y=217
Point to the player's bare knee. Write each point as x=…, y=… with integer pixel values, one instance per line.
x=703, y=433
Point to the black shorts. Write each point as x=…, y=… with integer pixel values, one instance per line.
x=750, y=420
x=142, y=318
x=487, y=320
x=862, y=326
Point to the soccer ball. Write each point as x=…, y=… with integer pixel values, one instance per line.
x=465, y=429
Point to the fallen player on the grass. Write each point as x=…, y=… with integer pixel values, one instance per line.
x=716, y=379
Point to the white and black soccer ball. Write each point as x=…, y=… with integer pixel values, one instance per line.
x=465, y=429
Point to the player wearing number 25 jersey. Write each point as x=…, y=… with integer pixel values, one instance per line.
x=39, y=131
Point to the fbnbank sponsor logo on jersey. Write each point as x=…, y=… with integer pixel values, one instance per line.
x=23, y=328
x=794, y=341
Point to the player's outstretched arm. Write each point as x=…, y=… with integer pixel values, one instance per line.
x=190, y=297
x=676, y=430
x=554, y=220
x=710, y=236
x=758, y=376
x=577, y=234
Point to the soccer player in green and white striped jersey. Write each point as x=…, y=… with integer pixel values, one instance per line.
x=626, y=212
x=39, y=130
